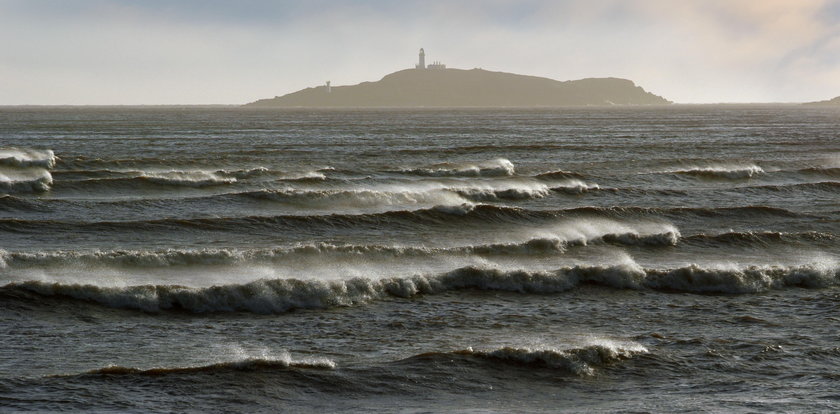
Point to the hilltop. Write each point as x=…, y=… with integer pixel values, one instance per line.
x=830, y=102
x=468, y=88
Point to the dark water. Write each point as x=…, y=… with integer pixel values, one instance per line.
x=677, y=259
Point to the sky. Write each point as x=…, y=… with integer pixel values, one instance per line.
x=103, y=52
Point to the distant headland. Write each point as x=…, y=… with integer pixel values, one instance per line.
x=830, y=102
x=435, y=85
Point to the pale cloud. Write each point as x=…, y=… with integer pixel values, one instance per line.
x=100, y=51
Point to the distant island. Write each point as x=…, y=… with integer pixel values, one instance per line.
x=830, y=102
x=437, y=86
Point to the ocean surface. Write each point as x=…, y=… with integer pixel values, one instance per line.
x=661, y=259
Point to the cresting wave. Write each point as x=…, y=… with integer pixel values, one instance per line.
x=662, y=235
x=361, y=198
x=281, y=295
x=175, y=175
x=831, y=171
x=25, y=170
x=558, y=174
x=26, y=158
x=468, y=213
x=492, y=168
x=429, y=192
x=827, y=186
x=580, y=361
x=721, y=171
x=24, y=180
x=563, y=238
x=249, y=364
x=762, y=238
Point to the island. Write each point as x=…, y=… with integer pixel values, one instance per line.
x=830, y=102
x=434, y=85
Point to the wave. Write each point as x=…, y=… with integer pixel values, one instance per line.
x=267, y=296
x=25, y=180
x=249, y=364
x=830, y=186
x=24, y=170
x=187, y=178
x=26, y=158
x=740, y=211
x=173, y=175
x=762, y=238
x=493, y=168
x=832, y=171
x=17, y=204
x=558, y=174
x=555, y=228
x=580, y=361
x=151, y=180
x=573, y=186
x=434, y=215
x=464, y=214
x=443, y=192
x=526, y=192
x=721, y=171
x=179, y=178
x=616, y=234
x=263, y=172
x=361, y=198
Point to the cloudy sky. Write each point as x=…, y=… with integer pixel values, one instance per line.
x=230, y=52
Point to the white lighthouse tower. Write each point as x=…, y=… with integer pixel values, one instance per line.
x=422, y=63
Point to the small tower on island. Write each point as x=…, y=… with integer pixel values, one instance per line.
x=422, y=63
x=329, y=88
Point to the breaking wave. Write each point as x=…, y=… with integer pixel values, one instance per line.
x=249, y=364
x=721, y=171
x=493, y=168
x=558, y=174
x=465, y=214
x=24, y=180
x=269, y=296
x=664, y=235
x=187, y=178
x=26, y=158
x=25, y=170
x=357, y=198
x=218, y=175
x=581, y=361
x=555, y=229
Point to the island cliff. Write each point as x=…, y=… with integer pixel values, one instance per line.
x=468, y=88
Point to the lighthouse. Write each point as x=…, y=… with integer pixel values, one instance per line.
x=422, y=63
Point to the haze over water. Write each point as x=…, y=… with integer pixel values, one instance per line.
x=659, y=259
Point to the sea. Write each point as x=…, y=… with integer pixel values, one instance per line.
x=681, y=258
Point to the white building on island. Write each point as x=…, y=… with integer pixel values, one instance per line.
x=422, y=62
